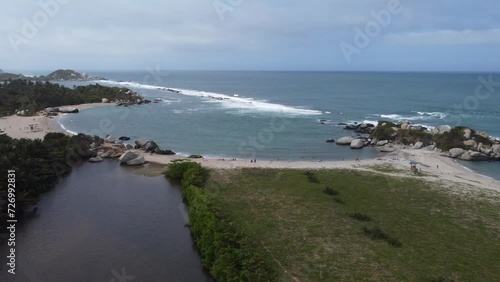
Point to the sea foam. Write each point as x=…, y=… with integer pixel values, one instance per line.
x=228, y=101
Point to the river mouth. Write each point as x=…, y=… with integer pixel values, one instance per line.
x=103, y=222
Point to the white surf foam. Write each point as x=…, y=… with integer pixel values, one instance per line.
x=225, y=100
x=65, y=129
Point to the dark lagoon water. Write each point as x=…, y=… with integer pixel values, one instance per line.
x=269, y=115
x=104, y=223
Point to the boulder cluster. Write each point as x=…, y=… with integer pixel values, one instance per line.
x=126, y=153
x=459, y=142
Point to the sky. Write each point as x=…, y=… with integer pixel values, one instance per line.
x=338, y=35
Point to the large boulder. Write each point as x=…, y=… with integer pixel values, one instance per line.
x=357, y=144
x=110, y=139
x=418, y=145
x=467, y=133
x=105, y=100
x=443, y=128
x=382, y=143
x=150, y=146
x=96, y=160
x=405, y=126
x=387, y=149
x=496, y=148
x=165, y=152
x=483, y=134
x=128, y=156
x=456, y=152
x=129, y=147
x=52, y=110
x=137, y=161
x=465, y=156
x=124, y=138
x=470, y=143
x=345, y=140
x=139, y=144
x=69, y=110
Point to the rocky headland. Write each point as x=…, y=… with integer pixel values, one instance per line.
x=459, y=142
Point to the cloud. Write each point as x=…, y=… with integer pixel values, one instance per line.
x=446, y=37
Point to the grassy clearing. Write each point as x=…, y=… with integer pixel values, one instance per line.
x=311, y=237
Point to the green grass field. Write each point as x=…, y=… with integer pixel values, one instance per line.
x=365, y=227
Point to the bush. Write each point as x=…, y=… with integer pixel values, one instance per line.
x=339, y=201
x=449, y=140
x=360, y=216
x=384, y=131
x=330, y=191
x=226, y=252
x=376, y=233
x=311, y=177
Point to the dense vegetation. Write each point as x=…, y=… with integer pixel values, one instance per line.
x=39, y=164
x=225, y=251
x=56, y=75
x=445, y=141
x=387, y=229
x=35, y=96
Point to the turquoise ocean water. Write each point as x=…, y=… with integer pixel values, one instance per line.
x=270, y=115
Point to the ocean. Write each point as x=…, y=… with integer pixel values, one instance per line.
x=287, y=115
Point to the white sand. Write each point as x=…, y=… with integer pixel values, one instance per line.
x=439, y=168
x=19, y=127
x=448, y=172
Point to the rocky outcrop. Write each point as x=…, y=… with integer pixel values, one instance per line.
x=330, y=141
x=467, y=133
x=96, y=160
x=68, y=110
x=455, y=152
x=150, y=146
x=345, y=141
x=418, y=145
x=124, y=138
x=137, y=161
x=128, y=156
x=110, y=139
x=382, y=143
x=105, y=100
x=357, y=144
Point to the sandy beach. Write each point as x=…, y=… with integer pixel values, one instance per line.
x=437, y=167
x=35, y=127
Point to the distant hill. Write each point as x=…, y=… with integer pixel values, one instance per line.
x=66, y=75
x=58, y=75
x=1, y=71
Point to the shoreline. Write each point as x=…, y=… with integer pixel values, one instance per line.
x=446, y=169
x=19, y=126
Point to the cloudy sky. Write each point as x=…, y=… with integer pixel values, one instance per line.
x=420, y=35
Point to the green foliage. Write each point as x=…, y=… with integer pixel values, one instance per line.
x=311, y=177
x=376, y=233
x=408, y=136
x=330, y=191
x=449, y=140
x=39, y=164
x=384, y=131
x=225, y=251
x=35, y=96
x=360, y=217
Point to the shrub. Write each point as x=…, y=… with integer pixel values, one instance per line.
x=384, y=131
x=225, y=251
x=360, y=216
x=311, y=177
x=330, y=191
x=376, y=233
x=339, y=201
